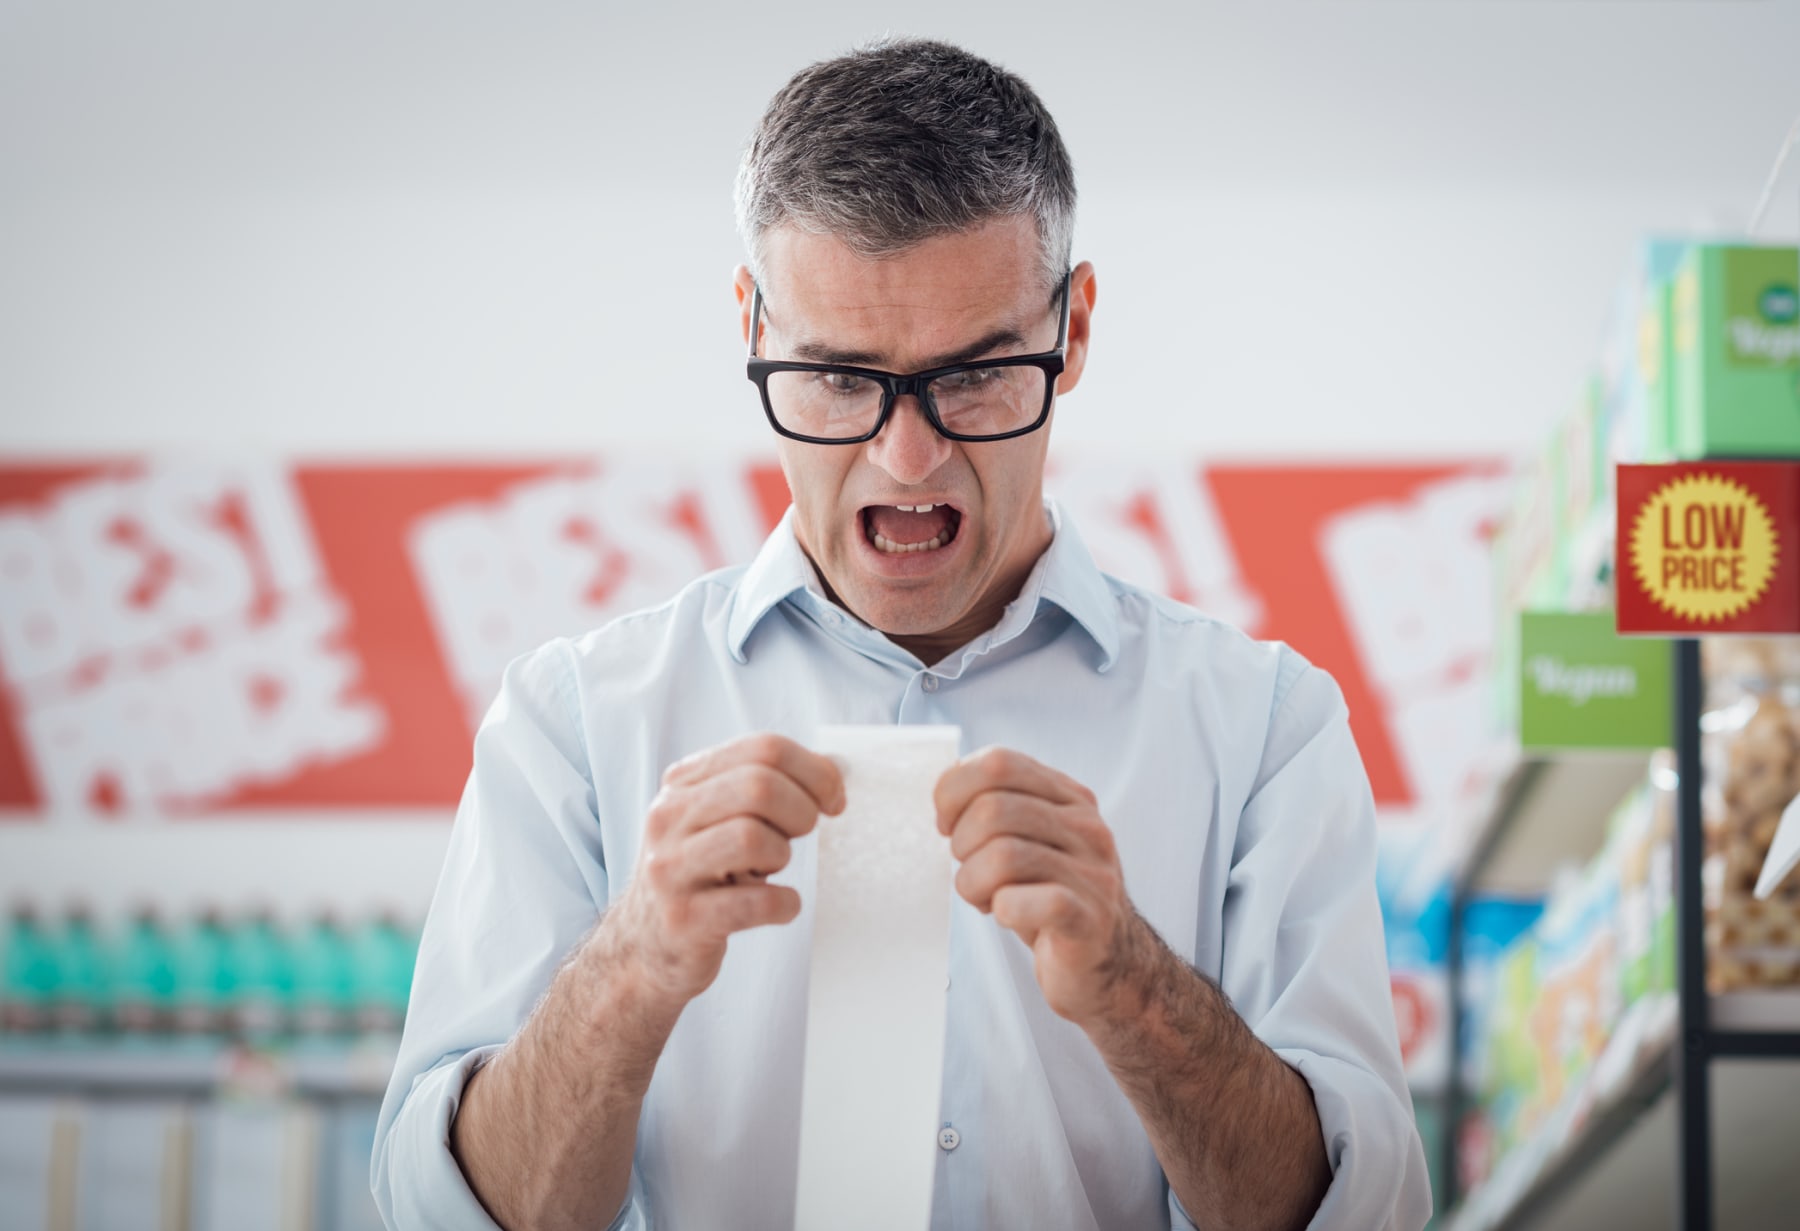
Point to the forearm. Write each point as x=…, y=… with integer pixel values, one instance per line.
x=1233, y=1125
x=546, y=1129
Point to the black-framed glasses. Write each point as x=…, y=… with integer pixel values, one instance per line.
x=838, y=404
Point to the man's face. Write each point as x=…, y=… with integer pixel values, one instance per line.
x=952, y=299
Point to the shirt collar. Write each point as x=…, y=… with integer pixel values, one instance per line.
x=1065, y=576
x=780, y=569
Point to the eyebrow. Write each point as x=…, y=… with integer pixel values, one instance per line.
x=819, y=352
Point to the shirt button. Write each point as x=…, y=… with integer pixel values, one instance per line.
x=930, y=684
x=948, y=1138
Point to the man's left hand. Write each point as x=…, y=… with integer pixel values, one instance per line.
x=1036, y=853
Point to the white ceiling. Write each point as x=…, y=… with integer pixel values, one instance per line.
x=1448, y=93
x=275, y=222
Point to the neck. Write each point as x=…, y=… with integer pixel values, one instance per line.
x=933, y=648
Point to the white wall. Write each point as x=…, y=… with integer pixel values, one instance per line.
x=340, y=229
x=305, y=227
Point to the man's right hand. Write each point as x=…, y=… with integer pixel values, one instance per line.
x=723, y=821
x=546, y=1129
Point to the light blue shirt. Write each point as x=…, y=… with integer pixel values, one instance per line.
x=1224, y=766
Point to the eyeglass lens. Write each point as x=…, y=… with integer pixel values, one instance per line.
x=969, y=402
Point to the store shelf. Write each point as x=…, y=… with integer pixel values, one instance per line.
x=1605, y=1157
x=1755, y=1024
x=1543, y=811
x=1754, y=1176
x=197, y=1069
x=1772, y=1009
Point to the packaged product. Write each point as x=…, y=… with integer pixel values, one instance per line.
x=383, y=952
x=1656, y=359
x=1735, y=322
x=1491, y=925
x=144, y=974
x=1630, y=828
x=263, y=977
x=1634, y=357
x=80, y=1004
x=324, y=977
x=1750, y=751
x=1513, y=1074
x=205, y=984
x=28, y=972
x=1578, y=992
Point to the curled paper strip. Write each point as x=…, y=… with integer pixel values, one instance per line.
x=875, y=1003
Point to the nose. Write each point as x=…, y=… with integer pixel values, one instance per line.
x=908, y=447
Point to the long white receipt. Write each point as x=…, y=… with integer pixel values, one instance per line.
x=875, y=1004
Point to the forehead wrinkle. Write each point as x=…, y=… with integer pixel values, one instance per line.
x=821, y=350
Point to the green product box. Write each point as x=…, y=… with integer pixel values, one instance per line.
x=1735, y=333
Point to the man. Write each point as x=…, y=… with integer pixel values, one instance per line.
x=1168, y=1002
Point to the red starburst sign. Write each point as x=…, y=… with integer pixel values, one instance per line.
x=1709, y=547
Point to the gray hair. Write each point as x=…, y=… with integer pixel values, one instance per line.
x=901, y=140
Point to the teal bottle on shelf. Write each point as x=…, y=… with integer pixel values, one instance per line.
x=143, y=976
x=263, y=972
x=30, y=978
x=79, y=1004
x=384, y=954
x=324, y=978
x=204, y=985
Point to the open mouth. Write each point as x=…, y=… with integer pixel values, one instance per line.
x=897, y=529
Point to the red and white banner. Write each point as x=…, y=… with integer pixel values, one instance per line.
x=181, y=640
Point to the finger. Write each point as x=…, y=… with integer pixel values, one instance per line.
x=748, y=790
x=817, y=775
x=1001, y=813
x=740, y=847
x=1028, y=910
x=733, y=908
x=1012, y=861
x=1001, y=769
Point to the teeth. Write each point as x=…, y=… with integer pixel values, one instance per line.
x=917, y=508
x=895, y=549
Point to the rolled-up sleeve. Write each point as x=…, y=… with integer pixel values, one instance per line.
x=1304, y=961
x=522, y=883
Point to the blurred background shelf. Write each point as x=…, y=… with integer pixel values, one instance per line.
x=1543, y=811
x=195, y=1070
x=1773, y=1010
x=1604, y=1158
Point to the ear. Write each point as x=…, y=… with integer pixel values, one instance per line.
x=743, y=284
x=1082, y=291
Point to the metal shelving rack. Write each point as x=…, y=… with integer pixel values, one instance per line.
x=1700, y=1041
x=1683, y=1070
